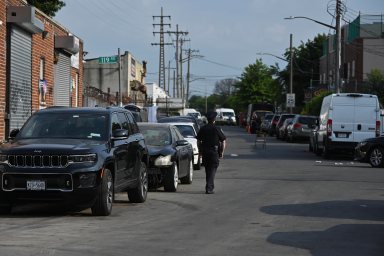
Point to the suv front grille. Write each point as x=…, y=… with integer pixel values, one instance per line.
x=38, y=161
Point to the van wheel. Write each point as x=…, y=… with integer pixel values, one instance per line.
x=376, y=157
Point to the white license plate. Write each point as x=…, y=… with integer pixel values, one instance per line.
x=35, y=185
x=342, y=135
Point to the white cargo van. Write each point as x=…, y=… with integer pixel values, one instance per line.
x=225, y=116
x=345, y=120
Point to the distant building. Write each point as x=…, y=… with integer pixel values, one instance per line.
x=101, y=80
x=361, y=51
x=155, y=92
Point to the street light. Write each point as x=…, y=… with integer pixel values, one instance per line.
x=338, y=39
x=270, y=54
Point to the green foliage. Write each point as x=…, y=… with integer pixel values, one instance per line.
x=256, y=85
x=49, y=7
x=375, y=84
x=313, y=107
x=305, y=64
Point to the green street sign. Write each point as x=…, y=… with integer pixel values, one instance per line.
x=108, y=60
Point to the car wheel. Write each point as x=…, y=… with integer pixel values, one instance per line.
x=198, y=165
x=103, y=204
x=376, y=157
x=139, y=194
x=188, y=179
x=171, y=179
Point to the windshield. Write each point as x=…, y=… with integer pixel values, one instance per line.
x=186, y=130
x=229, y=114
x=156, y=136
x=66, y=126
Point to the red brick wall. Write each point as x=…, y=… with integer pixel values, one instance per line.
x=41, y=48
x=3, y=43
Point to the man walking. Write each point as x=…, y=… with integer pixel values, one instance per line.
x=211, y=145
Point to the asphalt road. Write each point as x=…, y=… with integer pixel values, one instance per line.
x=282, y=200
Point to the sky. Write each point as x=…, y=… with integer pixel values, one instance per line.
x=227, y=35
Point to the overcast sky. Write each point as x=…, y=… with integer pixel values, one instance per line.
x=228, y=33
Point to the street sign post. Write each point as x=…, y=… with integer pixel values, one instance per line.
x=108, y=60
x=290, y=100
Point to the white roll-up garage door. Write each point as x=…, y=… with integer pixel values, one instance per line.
x=62, y=80
x=20, y=90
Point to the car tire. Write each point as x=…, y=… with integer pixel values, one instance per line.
x=139, y=194
x=103, y=204
x=198, y=165
x=189, y=178
x=171, y=179
x=375, y=157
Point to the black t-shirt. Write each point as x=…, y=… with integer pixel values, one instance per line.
x=210, y=136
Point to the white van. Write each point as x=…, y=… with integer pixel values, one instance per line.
x=345, y=120
x=225, y=116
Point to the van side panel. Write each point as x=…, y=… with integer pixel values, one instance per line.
x=366, y=114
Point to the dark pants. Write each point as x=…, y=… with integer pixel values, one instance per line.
x=211, y=162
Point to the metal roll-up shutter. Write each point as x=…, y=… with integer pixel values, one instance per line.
x=20, y=90
x=62, y=80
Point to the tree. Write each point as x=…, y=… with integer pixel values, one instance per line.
x=225, y=87
x=49, y=7
x=256, y=84
x=305, y=64
x=375, y=83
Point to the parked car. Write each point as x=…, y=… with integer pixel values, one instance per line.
x=225, y=116
x=182, y=119
x=371, y=151
x=77, y=156
x=283, y=129
x=281, y=121
x=266, y=123
x=171, y=156
x=272, y=127
x=189, y=133
x=301, y=127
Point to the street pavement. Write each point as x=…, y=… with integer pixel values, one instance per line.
x=281, y=200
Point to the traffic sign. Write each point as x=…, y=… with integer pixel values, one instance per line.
x=108, y=60
x=290, y=100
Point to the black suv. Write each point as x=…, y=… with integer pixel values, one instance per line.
x=77, y=156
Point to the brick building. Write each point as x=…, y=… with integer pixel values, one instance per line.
x=40, y=64
x=361, y=52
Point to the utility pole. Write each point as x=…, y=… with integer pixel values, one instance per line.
x=177, y=33
x=161, y=44
x=120, y=98
x=189, y=51
x=290, y=69
x=183, y=100
x=338, y=45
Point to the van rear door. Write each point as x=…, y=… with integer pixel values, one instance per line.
x=342, y=109
x=366, y=114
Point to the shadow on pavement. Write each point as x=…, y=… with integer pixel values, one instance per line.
x=345, y=239
x=357, y=209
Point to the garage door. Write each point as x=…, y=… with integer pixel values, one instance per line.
x=20, y=77
x=62, y=80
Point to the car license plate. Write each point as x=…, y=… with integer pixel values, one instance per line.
x=342, y=135
x=35, y=185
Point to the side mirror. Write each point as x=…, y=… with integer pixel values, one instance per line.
x=13, y=133
x=120, y=134
x=182, y=143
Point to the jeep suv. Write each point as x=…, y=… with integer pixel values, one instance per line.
x=76, y=156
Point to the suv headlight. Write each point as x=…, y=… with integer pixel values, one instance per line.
x=163, y=161
x=90, y=158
